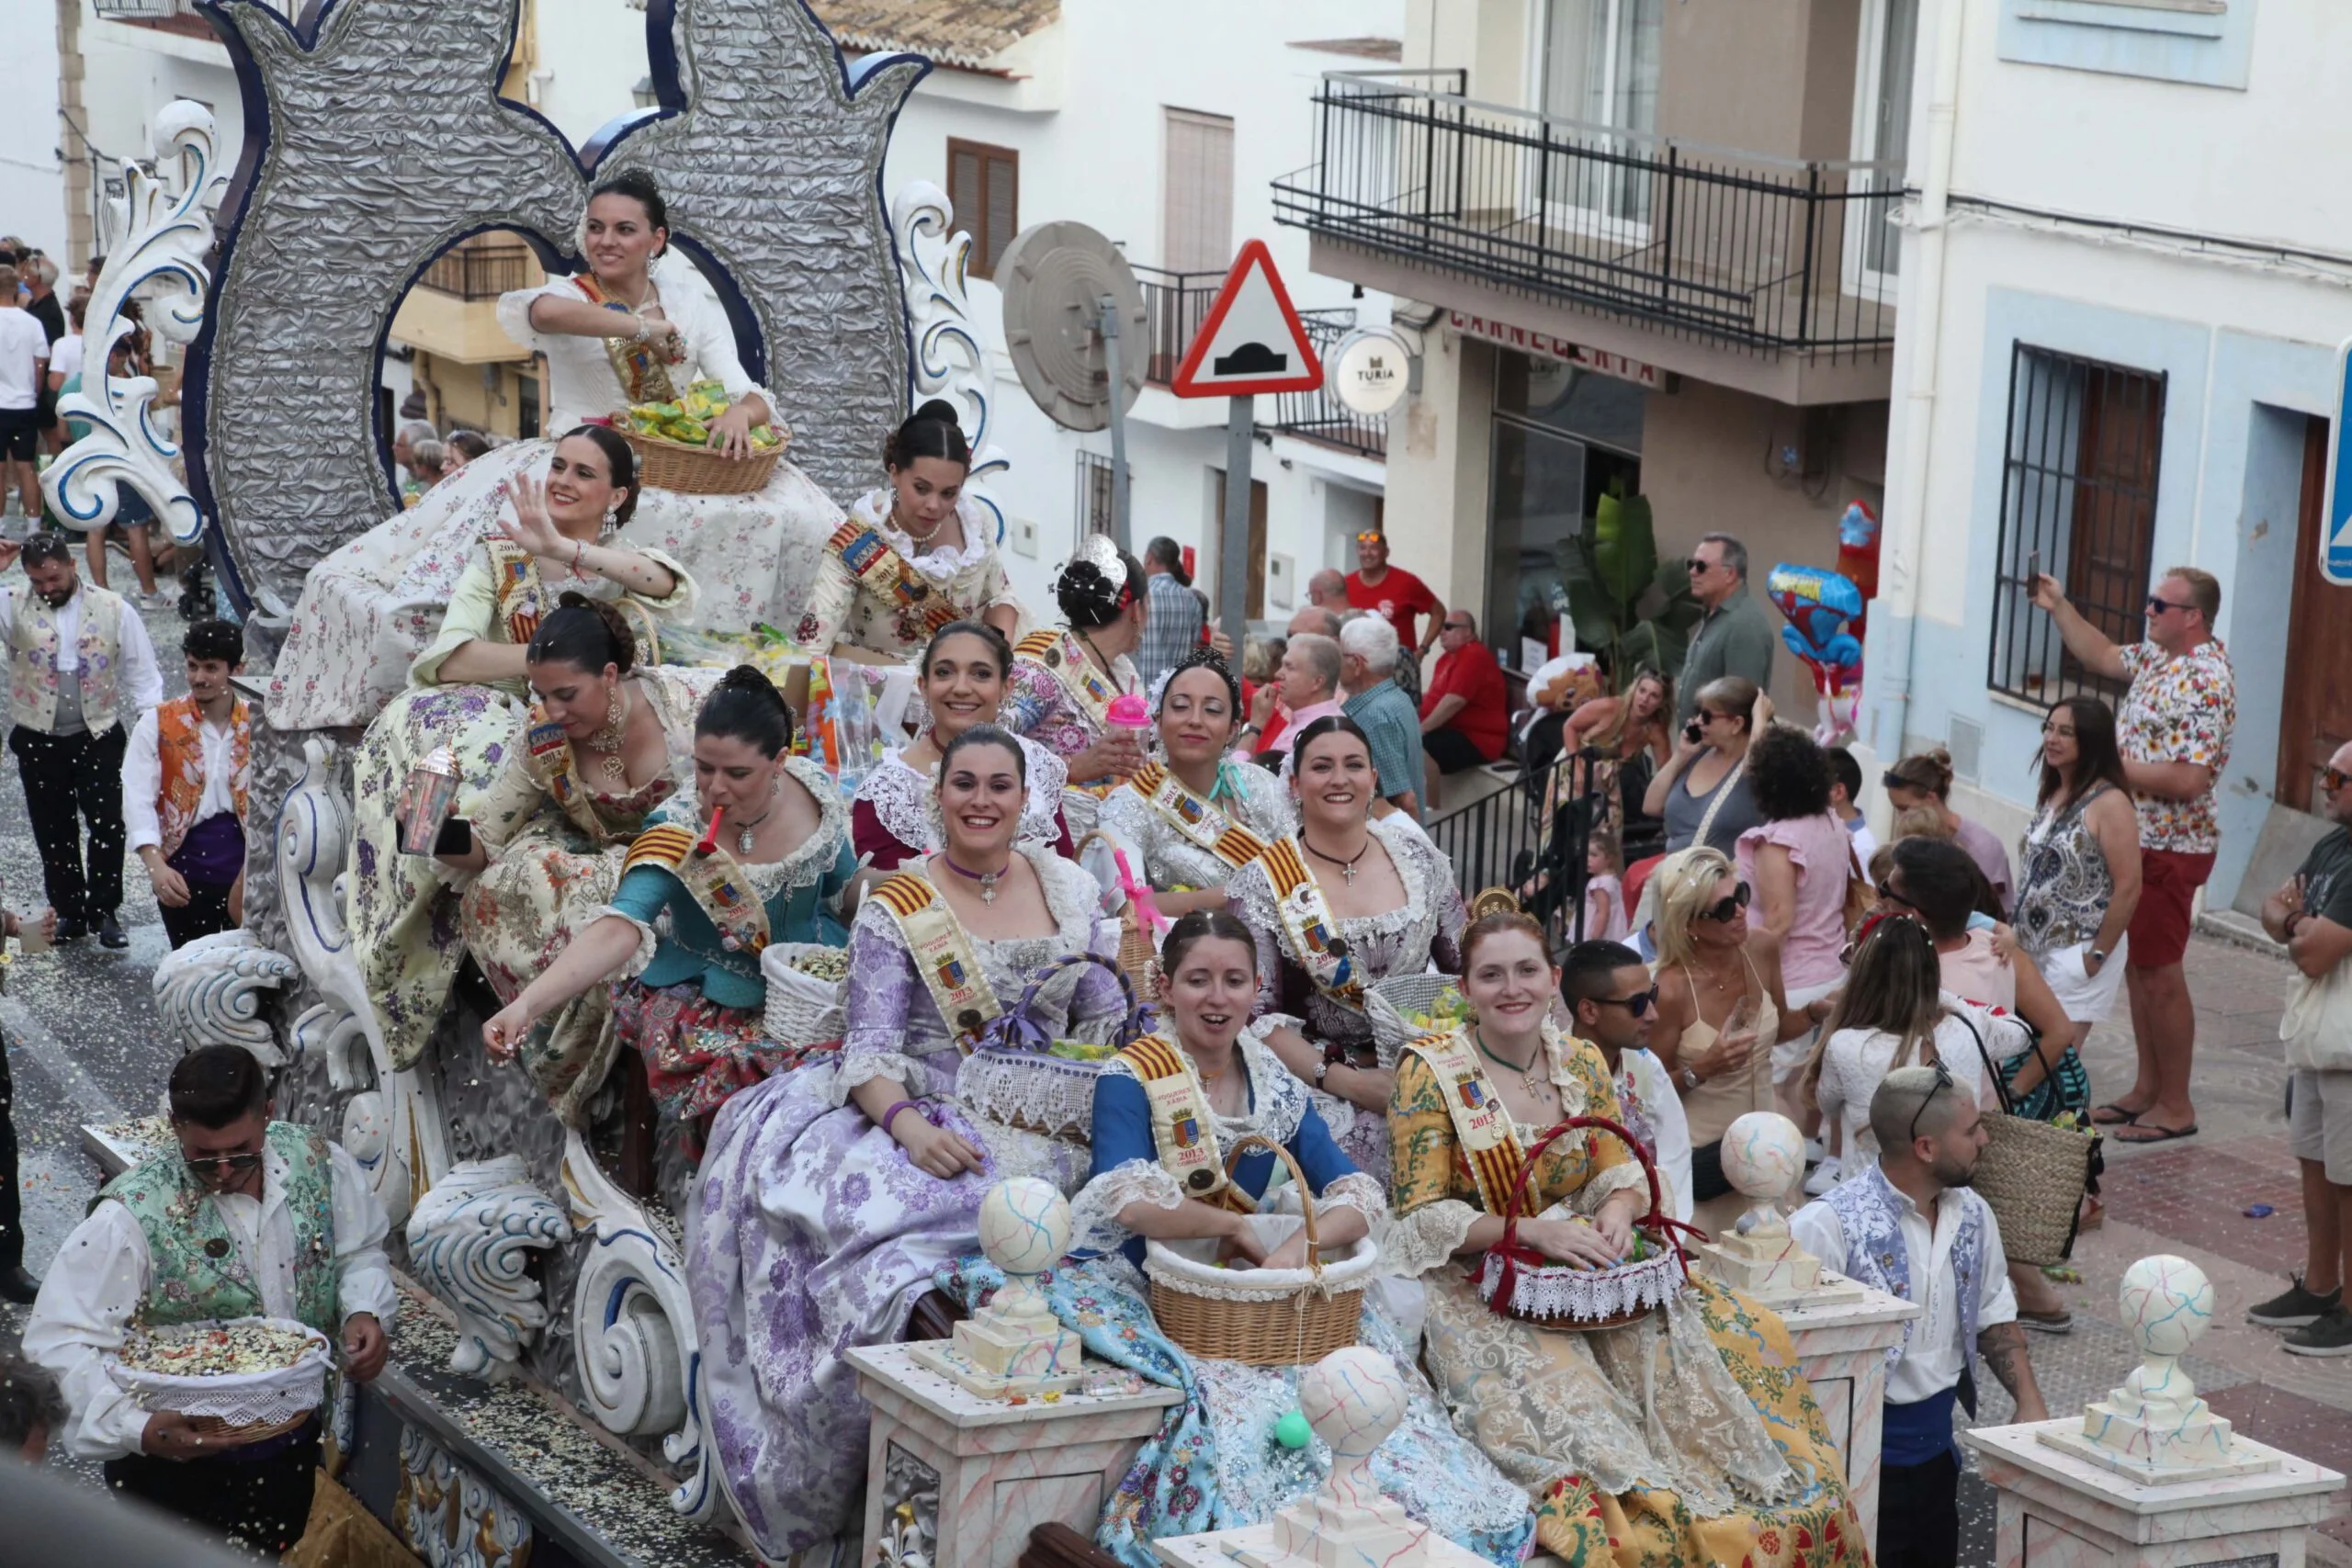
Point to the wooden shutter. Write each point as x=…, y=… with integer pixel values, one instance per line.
x=1197, y=192
x=984, y=183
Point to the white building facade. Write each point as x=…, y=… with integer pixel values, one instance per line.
x=2123, y=296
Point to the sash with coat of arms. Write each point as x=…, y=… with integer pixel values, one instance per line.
x=1202, y=821
x=643, y=376
x=881, y=570
x=1482, y=1126
x=553, y=765
x=1060, y=655
x=1310, y=932
x=1182, y=1128
x=717, y=881
x=945, y=961
x=522, y=593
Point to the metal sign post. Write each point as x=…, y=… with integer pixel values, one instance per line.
x=1233, y=555
x=1107, y=311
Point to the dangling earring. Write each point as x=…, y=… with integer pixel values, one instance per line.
x=612, y=518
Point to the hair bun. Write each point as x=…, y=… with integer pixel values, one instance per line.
x=751, y=678
x=939, y=410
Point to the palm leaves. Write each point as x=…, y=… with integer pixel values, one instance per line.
x=1626, y=604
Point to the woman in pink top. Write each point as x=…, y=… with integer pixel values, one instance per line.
x=1798, y=861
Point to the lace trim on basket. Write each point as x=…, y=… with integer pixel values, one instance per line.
x=1044, y=1094
x=1428, y=1237
x=1587, y=1296
x=1094, y=1223
x=1292, y=1285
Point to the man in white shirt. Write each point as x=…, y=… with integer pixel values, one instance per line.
x=78, y=657
x=23, y=378
x=1910, y=1226
x=184, y=785
x=243, y=1217
x=1614, y=1000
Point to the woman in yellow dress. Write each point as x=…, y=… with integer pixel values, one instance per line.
x=1684, y=1440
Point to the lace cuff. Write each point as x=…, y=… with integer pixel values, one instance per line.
x=863, y=1066
x=1609, y=1183
x=1338, y=1115
x=1094, y=1223
x=1355, y=1190
x=1428, y=1237
x=634, y=964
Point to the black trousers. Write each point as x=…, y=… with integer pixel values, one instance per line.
x=70, y=781
x=264, y=1503
x=206, y=911
x=12, y=1206
x=1918, y=1515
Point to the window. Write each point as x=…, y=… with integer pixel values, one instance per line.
x=2204, y=43
x=1600, y=64
x=2078, y=503
x=985, y=184
x=1882, y=136
x=1197, y=188
x=1095, y=494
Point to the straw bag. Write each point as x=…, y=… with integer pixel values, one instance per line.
x=236, y=1408
x=1138, y=952
x=1260, y=1317
x=1518, y=1282
x=803, y=1009
x=1020, y=1074
x=2033, y=1174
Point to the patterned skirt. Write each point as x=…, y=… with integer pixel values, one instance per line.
x=696, y=1053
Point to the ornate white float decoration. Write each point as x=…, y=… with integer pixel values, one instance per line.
x=448, y=1517
x=950, y=359
x=1015, y=1345
x=210, y=992
x=469, y=1242
x=168, y=229
x=1763, y=1158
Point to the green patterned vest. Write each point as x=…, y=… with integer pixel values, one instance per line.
x=196, y=1271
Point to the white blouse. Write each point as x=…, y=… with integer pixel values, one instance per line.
x=580, y=382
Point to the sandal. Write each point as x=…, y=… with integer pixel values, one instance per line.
x=2152, y=1134
x=2115, y=1115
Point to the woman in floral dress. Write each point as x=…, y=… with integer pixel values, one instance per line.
x=830, y=1195
x=1342, y=904
x=1684, y=1439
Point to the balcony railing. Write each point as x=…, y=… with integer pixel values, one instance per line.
x=1174, y=305
x=1766, y=253
x=1319, y=416
x=482, y=272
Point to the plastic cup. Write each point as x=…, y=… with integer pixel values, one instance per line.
x=32, y=933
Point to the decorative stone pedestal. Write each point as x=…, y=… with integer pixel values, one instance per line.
x=961, y=1478
x=1841, y=1340
x=1015, y=1346
x=1763, y=1156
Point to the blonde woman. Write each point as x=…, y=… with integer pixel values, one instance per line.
x=1721, y=1008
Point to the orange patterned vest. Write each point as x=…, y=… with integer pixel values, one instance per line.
x=179, y=744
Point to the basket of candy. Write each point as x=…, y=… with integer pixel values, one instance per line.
x=672, y=446
x=1019, y=1073
x=1404, y=1007
x=1262, y=1317
x=806, y=981
x=240, y=1380
x=1518, y=1282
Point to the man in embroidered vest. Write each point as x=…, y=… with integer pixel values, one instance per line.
x=1909, y=1225
x=78, y=657
x=184, y=783
x=243, y=1217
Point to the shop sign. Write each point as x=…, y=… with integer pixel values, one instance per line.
x=1599, y=361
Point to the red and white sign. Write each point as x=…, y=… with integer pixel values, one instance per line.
x=1250, y=340
x=1560, y=348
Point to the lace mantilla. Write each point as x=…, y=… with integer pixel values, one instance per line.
x=901, y=797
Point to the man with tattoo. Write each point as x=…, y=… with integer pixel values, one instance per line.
x=1909, y=1225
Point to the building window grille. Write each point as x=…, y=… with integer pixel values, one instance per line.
x=1094, y=514
x=2078, y=503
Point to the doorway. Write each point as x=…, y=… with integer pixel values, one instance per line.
x=2315, y=712
x=1254, y=602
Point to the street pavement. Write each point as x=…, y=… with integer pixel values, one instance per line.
x=86, y=1044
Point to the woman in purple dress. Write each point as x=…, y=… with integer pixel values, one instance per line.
x=830, y=1195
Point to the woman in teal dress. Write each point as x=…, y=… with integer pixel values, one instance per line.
x=1218, y=1461
x=691, y=998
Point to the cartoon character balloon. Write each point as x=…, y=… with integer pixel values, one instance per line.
x=1826, y=612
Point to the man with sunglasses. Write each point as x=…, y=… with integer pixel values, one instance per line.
x=243, y=1217
x=1734, y=637
x=2311, y=913
x=2174, y=729
x=1400, y=598
x=1909, y=1225
x=1614, y=999
x=1465, y=713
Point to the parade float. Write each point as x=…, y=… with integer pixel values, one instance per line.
x=544, y=1402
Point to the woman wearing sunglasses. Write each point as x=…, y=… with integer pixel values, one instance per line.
x=1702, y=791
x=1720, y=1011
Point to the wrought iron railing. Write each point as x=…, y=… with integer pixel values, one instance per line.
x=482, y=272
x=1530, y=838
x=1766, y=253
x=1095, y=511
x=1319, y=416
x=1174, y=305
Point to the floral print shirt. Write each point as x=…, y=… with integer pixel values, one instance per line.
x=2178, y=710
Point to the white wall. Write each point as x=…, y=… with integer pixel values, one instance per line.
x=592, y=55
x=32, y=183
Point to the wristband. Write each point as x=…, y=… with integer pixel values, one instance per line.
x=890, y=1115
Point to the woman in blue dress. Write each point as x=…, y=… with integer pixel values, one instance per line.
x=691, y=1000
x=1217, y=1462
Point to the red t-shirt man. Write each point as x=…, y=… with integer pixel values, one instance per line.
x=1469, y=671
x=1392, y=592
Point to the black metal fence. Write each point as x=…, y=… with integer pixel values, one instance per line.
x=1174, y=304
x=482, y=272
x=1764, y=252
x=1094, y=493
x=1530, y=839
x=1319, y=416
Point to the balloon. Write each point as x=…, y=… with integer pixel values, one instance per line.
x=1823, y=610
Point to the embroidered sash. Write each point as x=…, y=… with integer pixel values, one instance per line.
x=549, y=757
x=881, y=570
x=1482, y=1126
x=1060, y=655
x=945, y=961
x=1199, y=820
x=1309, y=931
x=521, y=594
x=1181, y=1129
x=643, y=377
x=717, y=881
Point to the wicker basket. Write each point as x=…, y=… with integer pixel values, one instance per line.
x=1138, y=954
x=698, y=470
x=802, y=1009
x=1013, y=1077
x=2032, y=1174
x=1260, y=1317
x=1392, y=1001
x=1519, y=1282
x=234, y=1410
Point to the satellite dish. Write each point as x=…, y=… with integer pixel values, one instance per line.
x=1056, y=278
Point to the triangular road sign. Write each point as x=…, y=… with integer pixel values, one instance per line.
x=1251, y=341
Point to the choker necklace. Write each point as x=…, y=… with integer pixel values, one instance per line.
x=743, y=832
x=1527, y=1074
x=1347, y=867
x=987, y=879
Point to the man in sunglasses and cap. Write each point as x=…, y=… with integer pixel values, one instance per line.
x=1908, y=1225
x=1614, y=999
x=243, y=1217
